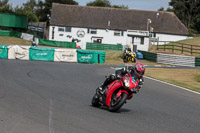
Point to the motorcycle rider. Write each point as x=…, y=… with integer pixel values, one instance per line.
x=136, y=71
x=127, y=51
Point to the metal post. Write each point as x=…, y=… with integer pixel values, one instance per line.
x=157, y=46
x=182, y=48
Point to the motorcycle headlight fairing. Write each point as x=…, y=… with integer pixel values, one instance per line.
x=126, y=82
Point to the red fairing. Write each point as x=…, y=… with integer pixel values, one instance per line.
x=132, y=82
x=120, y=92
x=112, y=87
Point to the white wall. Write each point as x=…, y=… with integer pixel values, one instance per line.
x=145, y=46
x=109, y=38
x=107, y=35
x=169, y=38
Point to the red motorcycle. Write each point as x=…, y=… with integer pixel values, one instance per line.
x=116, y=93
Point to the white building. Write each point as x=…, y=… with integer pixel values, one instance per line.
x=113, y=26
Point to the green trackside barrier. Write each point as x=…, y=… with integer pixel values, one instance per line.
x=100, y=46
x=10, y=33
x=41, y=54
x=90, y=56
x=3, y=52
x=197, y=61
x=57, y=43
x=149, y=56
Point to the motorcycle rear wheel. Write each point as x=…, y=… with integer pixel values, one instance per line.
x=134, y=60
x=116, y=104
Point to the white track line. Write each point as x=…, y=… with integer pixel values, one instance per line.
x=173, y=85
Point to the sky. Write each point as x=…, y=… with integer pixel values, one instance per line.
x=152, y=5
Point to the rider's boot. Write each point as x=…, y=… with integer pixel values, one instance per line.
x=108, y=80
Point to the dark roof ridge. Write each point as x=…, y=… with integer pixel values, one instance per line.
x=120, y=19
x=112, y=8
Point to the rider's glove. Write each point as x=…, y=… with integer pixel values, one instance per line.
x=112, y=77
x=141, y=82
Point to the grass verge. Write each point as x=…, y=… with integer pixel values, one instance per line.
x=186, y=78
x=13, y=40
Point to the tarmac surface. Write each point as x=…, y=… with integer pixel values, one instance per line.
x=50, y=97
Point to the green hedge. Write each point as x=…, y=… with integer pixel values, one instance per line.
x=100, y=46
x=57, y=43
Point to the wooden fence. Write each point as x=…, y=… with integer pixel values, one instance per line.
x=181, y=47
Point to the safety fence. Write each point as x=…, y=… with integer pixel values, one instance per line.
x=3, y=52
x=176, y=47
x=57, y=43
x=100, y=46
x=171, y=59
x=149, y=56
x=10, y=33
x=51, y=54
x=91, y=56
x=197, y=61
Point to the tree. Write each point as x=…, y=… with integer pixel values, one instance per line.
x=161, y=9
x=44, y=8
x=5, y=7
x=28, y=9
x=120, y=6
x=39, y=11
x=105, y=3
x=188, y=11
x=99, y=3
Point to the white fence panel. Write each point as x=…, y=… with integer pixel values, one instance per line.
x=27, y=37
x=176, y=60
x=65, y=55
x=18, y=52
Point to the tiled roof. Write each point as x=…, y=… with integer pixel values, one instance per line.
x=115, y=19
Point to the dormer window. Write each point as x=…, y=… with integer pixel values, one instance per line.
x=92, y=31
x=118, y=33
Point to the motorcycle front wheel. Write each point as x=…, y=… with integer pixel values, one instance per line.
x=95, y=101
x=117, y=103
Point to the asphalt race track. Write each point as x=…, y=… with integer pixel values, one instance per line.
x=49, y=97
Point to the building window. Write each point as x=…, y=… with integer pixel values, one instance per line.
x=118, y=33
x=154, y=34
x=60, y=34
x=92, y=31
x=61, y=29
x=68, y=29
x=142, y=41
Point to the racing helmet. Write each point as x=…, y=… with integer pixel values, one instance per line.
x=129, y=48
x=139, y=69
